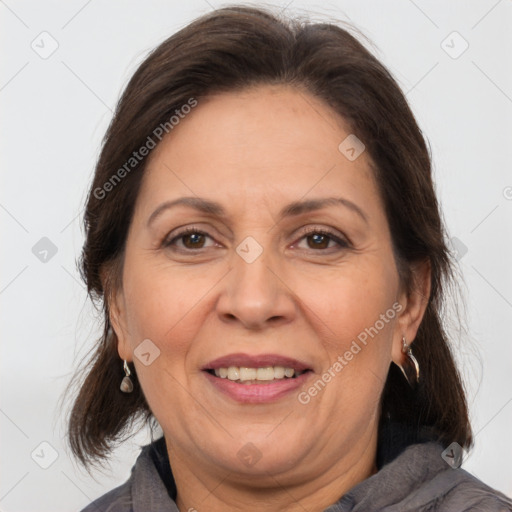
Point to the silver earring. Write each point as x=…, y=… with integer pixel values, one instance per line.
x=411, y=368
x=126, y=383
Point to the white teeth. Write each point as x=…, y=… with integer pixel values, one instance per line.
x=243, y=373
x=246, y=373
x=288, y=372
x=265, y=373
x=233, y=373
x=278, y=372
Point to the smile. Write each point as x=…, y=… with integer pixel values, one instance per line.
x=246, y=375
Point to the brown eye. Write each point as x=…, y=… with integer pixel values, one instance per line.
x=318, y=239
x=188, y=239
x=193, y=240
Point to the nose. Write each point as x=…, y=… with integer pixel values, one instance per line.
x=256, y=295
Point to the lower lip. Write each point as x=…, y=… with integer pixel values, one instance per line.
x=258, y=393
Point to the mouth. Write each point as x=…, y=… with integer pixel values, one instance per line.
x=261, y=375
x=256, y=379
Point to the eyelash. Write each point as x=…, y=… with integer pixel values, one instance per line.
x=342, y=244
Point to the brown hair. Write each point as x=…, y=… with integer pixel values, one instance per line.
x=226, y=50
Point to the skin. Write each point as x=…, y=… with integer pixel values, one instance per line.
x=254, y=152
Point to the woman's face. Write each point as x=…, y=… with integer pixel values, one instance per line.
x=264, y=279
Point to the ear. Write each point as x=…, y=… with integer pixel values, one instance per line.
x=114, y=298
x=414, y=304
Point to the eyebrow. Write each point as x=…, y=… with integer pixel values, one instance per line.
x=290, y=210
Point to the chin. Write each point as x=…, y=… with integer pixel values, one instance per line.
x=260, y=454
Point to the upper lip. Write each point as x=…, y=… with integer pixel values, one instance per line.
x=256, y=361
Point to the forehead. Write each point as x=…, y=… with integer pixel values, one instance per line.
x=267, y=141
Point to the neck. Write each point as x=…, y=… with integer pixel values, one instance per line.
x=314, y=488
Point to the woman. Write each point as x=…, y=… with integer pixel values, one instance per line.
x=263, y=234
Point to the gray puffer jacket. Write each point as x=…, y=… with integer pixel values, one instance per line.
x=411, y=477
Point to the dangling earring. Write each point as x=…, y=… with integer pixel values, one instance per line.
x=126, y=383
x=411, y=369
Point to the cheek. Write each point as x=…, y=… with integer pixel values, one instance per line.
x=351, y=299
x=160, y=303
x=356, y=312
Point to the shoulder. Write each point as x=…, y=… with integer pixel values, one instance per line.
x=143, y=491
x=467, y=493
x=419, y=480
x=116, y=500
x=456, y=490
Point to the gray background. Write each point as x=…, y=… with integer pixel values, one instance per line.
x=55, y=109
